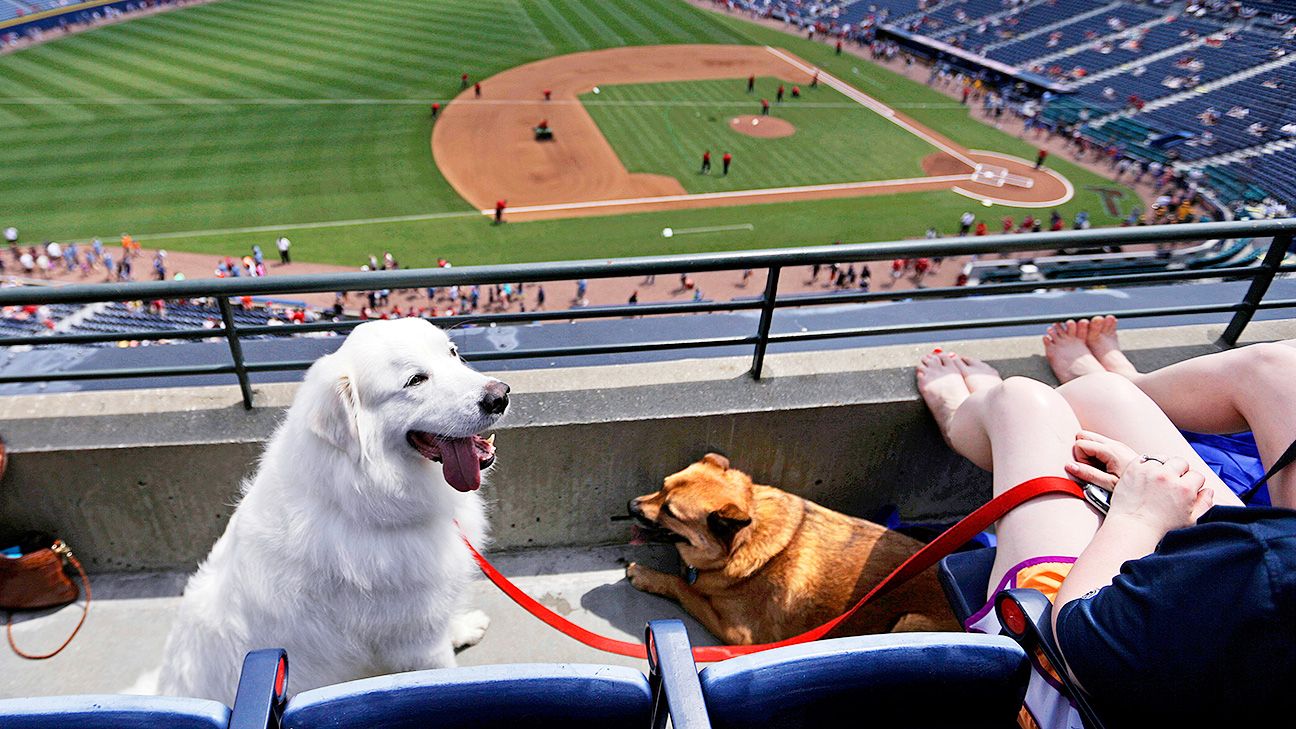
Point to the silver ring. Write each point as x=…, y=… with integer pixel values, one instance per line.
x=1145, y=459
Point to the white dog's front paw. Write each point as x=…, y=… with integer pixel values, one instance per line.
x=467, y=629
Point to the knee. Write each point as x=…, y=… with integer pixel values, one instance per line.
x=1265, y=360
x=1097, y=387
x=1022, y=394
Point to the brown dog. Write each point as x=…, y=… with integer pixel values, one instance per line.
x=763, y=564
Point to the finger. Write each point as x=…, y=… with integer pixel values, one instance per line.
x=1103, y=452
x=1177, y=465
x=1096, y=476
x=1090, y=435
x=1205, y=499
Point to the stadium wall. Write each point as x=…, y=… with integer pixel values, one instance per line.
x=147, y=479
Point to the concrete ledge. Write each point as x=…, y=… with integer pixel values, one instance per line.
x=146, y=479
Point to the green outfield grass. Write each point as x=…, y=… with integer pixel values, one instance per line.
x=664, y=128
x=286, y=114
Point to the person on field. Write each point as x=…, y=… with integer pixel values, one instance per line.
x=778, y=96
x=548, y=93
x=463, y=81
x=764, y=107
x=814, y=80
x=751, y=83
x=499, y=210
x=724, y=161
x=1040, y=157
x=283, y=244
x=436, y=109
x=477, y=89
x=706, y=162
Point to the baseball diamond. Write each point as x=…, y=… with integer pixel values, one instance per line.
x=209, y=126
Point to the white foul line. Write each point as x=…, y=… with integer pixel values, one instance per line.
x=881, y=109
x=723, y=195
x=711, y=229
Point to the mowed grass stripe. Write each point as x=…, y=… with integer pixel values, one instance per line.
x=77, y=66
x=21, y=71
x=146, y=58
x=262, y=58
x=537, y=35
x=599, y=34
x=409, y=33
x=637, y=33
x=33, y=104
x=210, y=59
x=556, y=20
x=124, y=69
x=660, y=28
x=697, y=26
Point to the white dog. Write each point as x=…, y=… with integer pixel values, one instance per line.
x=344, y=549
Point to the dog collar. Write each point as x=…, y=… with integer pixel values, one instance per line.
x=690, y=574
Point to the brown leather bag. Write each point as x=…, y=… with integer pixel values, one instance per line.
x=39, y=579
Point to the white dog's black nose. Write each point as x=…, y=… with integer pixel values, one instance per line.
x=494, y=397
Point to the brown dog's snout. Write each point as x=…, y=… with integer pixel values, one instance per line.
x=494, y=398
x=636, y=511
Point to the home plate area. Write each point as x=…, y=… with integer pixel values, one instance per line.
x=999, y=176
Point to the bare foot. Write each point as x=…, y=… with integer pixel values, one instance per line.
x=977, y=374
x=1068, y=353
x=941, y=383
x=1105, y=347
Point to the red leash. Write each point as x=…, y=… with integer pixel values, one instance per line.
x=942, y=546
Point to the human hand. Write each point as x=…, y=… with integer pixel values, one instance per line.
x=1113, y=455
x=1164, y=496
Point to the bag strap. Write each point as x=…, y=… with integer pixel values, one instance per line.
x=1283, y=461
x=61, y=549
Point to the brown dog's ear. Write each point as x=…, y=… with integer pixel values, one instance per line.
x=716, y=460
x=726, y=522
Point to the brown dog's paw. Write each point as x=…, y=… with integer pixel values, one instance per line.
x=646, y=579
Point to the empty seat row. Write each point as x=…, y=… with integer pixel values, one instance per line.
x=900, y=680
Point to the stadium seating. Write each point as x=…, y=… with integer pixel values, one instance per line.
x=1128, y=48
x=897, y=681
x=481, y=697
x=1083, y=30
x=259, y=702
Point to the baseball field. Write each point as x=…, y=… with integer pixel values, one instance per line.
x=225, y=124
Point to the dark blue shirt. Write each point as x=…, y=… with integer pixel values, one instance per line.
x=1200, y=633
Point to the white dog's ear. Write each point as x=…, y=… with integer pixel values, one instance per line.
x=334, y=416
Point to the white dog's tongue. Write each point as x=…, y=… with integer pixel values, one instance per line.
x=460, y=463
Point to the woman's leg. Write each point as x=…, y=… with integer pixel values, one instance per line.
x=1019, y=429
x=1110, y=404
x=1249, y=388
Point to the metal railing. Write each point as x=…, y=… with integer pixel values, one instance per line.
x=772, y=261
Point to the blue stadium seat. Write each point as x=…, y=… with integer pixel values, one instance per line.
x=481, y=697
x=898, y=680
x=1025, y=614
x=112, y=712
x=258, y=705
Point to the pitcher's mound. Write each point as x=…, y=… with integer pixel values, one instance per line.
x=765, y=127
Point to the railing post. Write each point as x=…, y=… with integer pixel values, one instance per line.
x=1278, y=248
x=236, y=350
x=766, y=319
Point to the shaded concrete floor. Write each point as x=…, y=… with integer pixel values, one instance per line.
x=131, y=614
